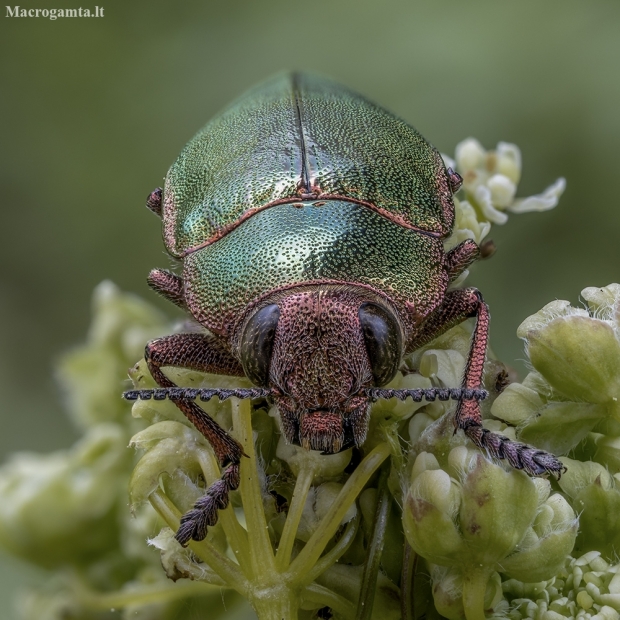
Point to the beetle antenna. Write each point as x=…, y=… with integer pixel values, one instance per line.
x=429, y=394
x=205, y=394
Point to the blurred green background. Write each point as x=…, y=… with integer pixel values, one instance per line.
x=93, y=111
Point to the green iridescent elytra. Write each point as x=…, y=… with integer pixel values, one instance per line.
x=369, y=184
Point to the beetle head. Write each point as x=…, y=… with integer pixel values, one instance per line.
x=318, y=350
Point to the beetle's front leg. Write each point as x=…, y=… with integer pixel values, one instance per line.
x=207, y=354
x=458, y=306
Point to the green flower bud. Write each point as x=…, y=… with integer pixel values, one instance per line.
x=594, y=495
x=517, y=404
x=560, y=426
x=607, y=451
x=604, y=303
x=466, y=225
x=491, y=521
x=170, y=446
x=428, y=517
x=496, y=510
x=444, y=367
x=92, y=373
x=552, y=537
x=324, y=466
x=60, y=508
x=448, y=592
x=579, y=356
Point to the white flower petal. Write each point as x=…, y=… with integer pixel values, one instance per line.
x=542, y=202
x=483, y=198
x=503, y=190
x=469, y=155
x=509, y=161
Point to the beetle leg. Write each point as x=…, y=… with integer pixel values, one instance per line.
x=168, y=285
x=207, y=354
x=461, y=257
x=458, y=306
x=154, y=200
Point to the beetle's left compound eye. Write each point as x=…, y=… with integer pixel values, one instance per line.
x=383, y=341
x=257, y=344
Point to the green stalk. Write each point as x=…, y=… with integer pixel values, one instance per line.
x=375, y=547
x=410, y=561
x=148, y=595
x=474, y=588
x=300, y=494
x=262, y=561
x=225, y=568
x=275, y=603
x=310, y=554
x=336, y=552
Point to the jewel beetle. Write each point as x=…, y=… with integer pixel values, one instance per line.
x=310, y=224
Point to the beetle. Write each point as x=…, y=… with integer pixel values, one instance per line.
x=310, y=225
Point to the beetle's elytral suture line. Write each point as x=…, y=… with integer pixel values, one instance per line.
x=305, y=180
x=206, y=394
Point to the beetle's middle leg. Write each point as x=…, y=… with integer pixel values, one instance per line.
x=204, y=353
x=459, y=305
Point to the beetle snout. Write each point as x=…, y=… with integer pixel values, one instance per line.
x=322, y=430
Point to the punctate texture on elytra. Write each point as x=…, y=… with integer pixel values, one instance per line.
x=303, y=243
x=251, y=155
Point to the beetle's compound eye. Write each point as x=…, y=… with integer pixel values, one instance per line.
x=257, y=344
x=455, y=180
x=383, y=341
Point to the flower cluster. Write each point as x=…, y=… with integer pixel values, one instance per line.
x=415, y=523
x=67, y=511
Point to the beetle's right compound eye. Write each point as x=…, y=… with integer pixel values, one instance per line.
x=257, y=344
x=384, y=342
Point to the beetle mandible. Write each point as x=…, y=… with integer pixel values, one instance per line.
x=310, y=225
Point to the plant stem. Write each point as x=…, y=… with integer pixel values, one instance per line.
x=302, y=487
x=149, y=595
x=262, y=560
x=336, y=552
x=277, y=603
x=410, y=562
x=375, y=547
x=310, y=554
x=474, y=588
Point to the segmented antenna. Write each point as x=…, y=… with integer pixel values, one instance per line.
x=429, y=394
x=206, y=394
